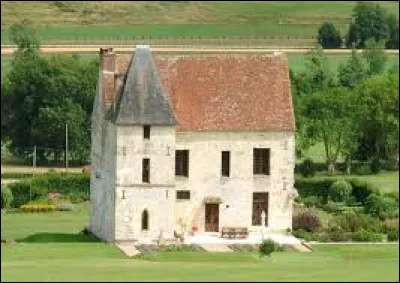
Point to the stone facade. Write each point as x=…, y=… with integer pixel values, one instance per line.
x=124, y=208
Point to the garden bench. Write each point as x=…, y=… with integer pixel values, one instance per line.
x=234, y=232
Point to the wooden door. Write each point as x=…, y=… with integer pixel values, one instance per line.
x=212, y=217
x=260, y=203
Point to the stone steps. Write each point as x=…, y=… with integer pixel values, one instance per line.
x=128, y=248
x=216, y=248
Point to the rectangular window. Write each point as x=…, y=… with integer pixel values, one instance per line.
x=261, y=160
x=183, y=195
x=226, y=166
x=182, y=163
x=146, y=132
x=146, y=170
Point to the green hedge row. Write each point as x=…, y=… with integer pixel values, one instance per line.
x=14, y=175
x=76, y=187
x=321, y=187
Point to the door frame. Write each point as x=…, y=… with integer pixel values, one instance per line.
x=217, y=211
x=265, y=197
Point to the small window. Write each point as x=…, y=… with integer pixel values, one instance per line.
x=146, y=170
x=146, y=132
x=182, y=163
x=183, y=195
x=261, y=160
x=145, y=220
x=226, y=166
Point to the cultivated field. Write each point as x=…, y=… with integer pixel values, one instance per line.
x=49, y=249
x=84, y=22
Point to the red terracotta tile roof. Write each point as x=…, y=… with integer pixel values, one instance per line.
x=226, y=92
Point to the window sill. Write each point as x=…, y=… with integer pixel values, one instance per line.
x=182, y=200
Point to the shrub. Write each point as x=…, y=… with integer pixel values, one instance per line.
x=267, y=247
x=361, y=190
x=314, y=187
x=340, y=191
x=6, y=197
x=393, y=195
x=351, y=222
x=329, y=36
x=307, y=168
x=337, y=234
x=363, y=235
x=375, y=165
x=333, y=207
x=75, y=186
x=393, y=234
x=308, y=220
x=376, y=205
x=21, y=192
x=37, y=208
x=312, y=201
x=363, y=169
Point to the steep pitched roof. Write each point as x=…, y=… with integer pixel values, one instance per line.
x=141, y=99
x=226, y=92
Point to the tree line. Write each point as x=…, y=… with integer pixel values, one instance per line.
x=369, y=21
x=353, y=112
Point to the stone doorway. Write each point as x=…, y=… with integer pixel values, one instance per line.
x=211, y=217
x=260, y=204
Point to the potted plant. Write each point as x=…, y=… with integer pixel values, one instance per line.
x=194, y=229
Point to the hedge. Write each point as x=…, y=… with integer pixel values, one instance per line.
x=322, y=187
x=15, y=175
x=73, y=186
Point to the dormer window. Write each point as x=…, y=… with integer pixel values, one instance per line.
x=146, y=132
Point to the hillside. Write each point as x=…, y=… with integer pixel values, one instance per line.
x=97, y=20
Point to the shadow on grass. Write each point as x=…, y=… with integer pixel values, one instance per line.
x=58, y=238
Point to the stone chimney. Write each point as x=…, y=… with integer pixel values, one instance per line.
x=107, y=67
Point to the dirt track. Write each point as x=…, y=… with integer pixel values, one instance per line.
x=125, y=49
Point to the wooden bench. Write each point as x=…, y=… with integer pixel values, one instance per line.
x=234, y=232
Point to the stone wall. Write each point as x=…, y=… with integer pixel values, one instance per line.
x=236, y=191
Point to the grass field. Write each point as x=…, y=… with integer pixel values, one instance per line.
x=75, y=20
x=49, y=251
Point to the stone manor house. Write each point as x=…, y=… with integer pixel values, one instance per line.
x=186, y=142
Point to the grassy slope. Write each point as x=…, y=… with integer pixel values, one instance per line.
x=56, y=258
x=189, y=18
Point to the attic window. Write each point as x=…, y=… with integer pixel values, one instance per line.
x=146, y=132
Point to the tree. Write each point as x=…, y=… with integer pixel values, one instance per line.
x=328, y=121
x=353, y=71
x=377, y=112
x=393, y=25
x=368, y=21
x=24, y=36
x=317, y=71
x=40, y=95
x=329, y=36
x=375, y=56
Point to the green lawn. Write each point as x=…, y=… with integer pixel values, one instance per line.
x=95, y=20
x=51, y=251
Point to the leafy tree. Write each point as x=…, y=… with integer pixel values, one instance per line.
x=377, y=112
x=353, y=71
x=393, y=25
x=40, y=95
x=374, y=54
x=24, y=36
x=329, y=36
x=317, y=70
x=327, y=116
x=368, y=21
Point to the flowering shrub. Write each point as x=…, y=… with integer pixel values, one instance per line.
x=38, y=208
